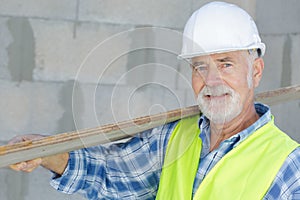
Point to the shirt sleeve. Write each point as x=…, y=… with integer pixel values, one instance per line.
x=118, y=171
x=286, y=184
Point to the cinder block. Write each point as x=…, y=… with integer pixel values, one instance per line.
x=152, y=73
x=179, y=98
x=295, y=59
x=3, y=193
x=28, y=108
x=154, y=51
x=55, y=9
x=11, y=184
x=84, y=105
x=169, y=44
x=273, y=58
x=287, y=118
x=156, y=54
x=89, y=53
x=5, y=41
x=153, y=57
x=278, y=16
x=15, y=104
x=105, y=104
x=141, y=12
x=33, y=186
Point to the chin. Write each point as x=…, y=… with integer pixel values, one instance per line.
x=220, y=112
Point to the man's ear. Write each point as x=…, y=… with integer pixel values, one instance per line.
x=258, y=67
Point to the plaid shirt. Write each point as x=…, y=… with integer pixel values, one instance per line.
x=131, y=170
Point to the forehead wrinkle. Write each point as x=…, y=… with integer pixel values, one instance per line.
x=219, y=60
x=215, y=58
x=226, y=59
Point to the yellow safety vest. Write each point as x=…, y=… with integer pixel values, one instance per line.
x=245, y=173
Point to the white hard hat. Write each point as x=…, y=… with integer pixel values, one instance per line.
x=219, y=27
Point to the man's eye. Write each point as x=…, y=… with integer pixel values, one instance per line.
x=226, y=65
x=200, y=68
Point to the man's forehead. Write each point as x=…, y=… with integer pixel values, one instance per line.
x=222, y=57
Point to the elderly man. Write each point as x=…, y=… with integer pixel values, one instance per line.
x=232, y=151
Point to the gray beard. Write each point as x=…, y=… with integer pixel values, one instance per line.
x=220, y=111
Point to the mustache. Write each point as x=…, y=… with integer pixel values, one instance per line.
x=216, y=90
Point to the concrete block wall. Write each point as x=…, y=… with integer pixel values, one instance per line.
x=73, y=64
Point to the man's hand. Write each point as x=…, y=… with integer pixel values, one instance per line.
x=56, y=163
x=30, y=165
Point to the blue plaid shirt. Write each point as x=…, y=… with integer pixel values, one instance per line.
x=131, y=170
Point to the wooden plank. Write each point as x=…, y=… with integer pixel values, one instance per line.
x=279, y=96
x=10, y=154
x=65, y=142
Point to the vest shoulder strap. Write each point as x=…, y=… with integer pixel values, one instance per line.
x=181, y=161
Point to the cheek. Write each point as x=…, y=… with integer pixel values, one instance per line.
x=241, y=87
x=238, y=81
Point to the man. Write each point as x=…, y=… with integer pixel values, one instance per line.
x=233, y=151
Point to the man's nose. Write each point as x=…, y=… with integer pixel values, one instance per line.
x=213, y=77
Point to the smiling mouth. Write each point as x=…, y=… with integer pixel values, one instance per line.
x=208, y=96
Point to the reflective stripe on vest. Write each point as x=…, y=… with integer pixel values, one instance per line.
x=246, y=172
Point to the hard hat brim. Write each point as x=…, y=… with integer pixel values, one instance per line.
x=260, y=46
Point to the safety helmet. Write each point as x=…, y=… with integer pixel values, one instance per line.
x=219, y=27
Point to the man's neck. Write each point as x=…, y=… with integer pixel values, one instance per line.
x=221, y=132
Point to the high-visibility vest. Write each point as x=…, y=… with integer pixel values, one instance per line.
x=245, y=173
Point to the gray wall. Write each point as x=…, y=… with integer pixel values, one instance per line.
x=73, y=64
